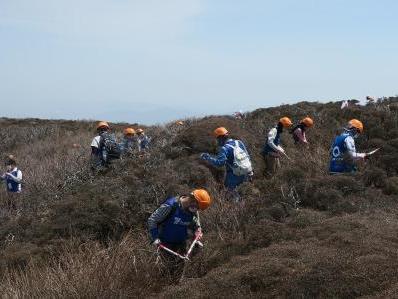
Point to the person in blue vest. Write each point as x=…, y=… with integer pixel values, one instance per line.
x=129, y=141
x=225, y=157
x=142, y=140
x=272, y=149
x=174, y=221
x=13, y=180
x=97, y=157
x=343, y=152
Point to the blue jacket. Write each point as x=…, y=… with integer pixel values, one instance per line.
x=225, y=157
x=338, y=152
x=174, y=230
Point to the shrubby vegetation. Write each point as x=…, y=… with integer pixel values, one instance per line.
x=302, y=233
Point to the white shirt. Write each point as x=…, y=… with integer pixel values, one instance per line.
x=350, y=144
x=271, y=137
x=96, y=141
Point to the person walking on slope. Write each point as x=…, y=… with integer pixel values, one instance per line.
x=234, y=156
x=343, y=152
x=172, y=224
x=104, y=147
x=298, y=132
x=13, y=179
x=129, y=140
x=272, y=149
x=142, y=140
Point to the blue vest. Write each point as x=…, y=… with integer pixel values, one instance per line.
x=13, y=186
x=143, y=142
x=175, y=229
x=127, y=144
x=267, y=149
x=337, y=162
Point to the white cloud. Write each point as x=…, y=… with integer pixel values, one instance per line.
x=134, y=20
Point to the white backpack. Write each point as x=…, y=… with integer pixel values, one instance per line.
x=241, y=164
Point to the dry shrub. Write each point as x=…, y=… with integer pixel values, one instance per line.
x=267, y=245
x=333, y=260
x=127, y=269
x=391, y=186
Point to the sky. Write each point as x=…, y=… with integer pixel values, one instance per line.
x=152, y=61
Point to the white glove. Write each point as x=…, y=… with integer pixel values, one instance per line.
x=156, y=243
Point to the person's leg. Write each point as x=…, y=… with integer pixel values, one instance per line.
x=269, y=165
x=277, y=164
x=231, y=183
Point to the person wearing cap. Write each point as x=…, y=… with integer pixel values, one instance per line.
x=226, y=157
x=298, y=132
x=272, y=149
x=174, y=221
x=129, y=140
x=96, y=152
x=13, y=180
x=142, y=140
x=343, y=152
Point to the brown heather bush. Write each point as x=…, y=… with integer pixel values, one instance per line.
x=300, y=234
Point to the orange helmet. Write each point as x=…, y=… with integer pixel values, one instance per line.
x=221, y=131
x=102, y=124
x=286, y=122
x=202, y=197
x=308, y=122
x=139, y=131
x=129, y=131
x=354, y=123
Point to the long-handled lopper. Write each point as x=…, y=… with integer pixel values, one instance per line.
x=372, y=152
x=173, y=252
x=198, y=236
x=286, y=156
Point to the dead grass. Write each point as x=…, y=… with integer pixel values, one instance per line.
x=300, y=234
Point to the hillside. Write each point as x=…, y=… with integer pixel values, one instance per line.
x=301, y=234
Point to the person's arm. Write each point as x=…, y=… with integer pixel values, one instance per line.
x=350, y=144
x=95, y=146
x=271, y=139
x=220, y=159
x=17, y=178
x=195, y=227
x=158, y=217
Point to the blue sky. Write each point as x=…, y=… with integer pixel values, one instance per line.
x=153, y=61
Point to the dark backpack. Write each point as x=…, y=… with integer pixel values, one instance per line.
x=110, y=145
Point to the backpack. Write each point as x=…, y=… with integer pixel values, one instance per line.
x=109, y=144
x=241, y=164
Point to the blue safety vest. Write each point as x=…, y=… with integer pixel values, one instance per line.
x=13, y=186
x=337, y=162
x=267, y=149
x=175, y=229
